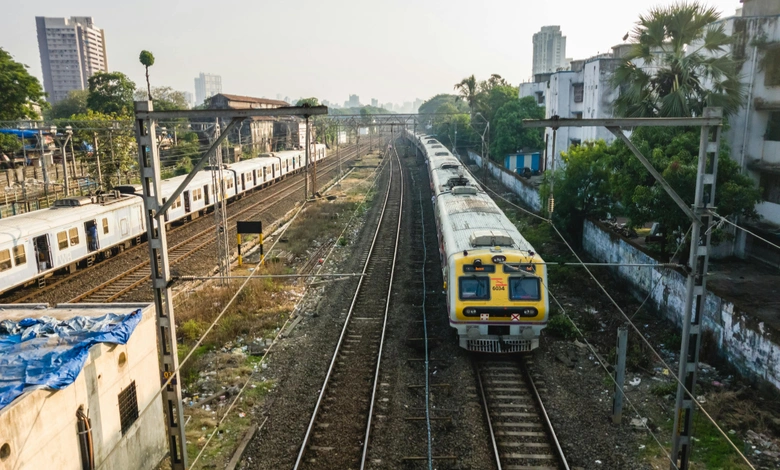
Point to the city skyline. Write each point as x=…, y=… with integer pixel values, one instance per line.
x=390, y=69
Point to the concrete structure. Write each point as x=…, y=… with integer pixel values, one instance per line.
x=549, y=50
x=72, y=50
x=206, y=86
x=585, y=90
x=255, y=132
x=39, y=428
x=189, y=98
x=754, y=132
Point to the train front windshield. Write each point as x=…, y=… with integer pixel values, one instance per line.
x=524, y=288
x=474, y=288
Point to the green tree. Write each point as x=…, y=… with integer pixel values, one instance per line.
x=111, y=93
x=510, y=135
x=147, y=60
x=582, y=188
x=9, y=144
x=469, y=91
x=20, y=92
x=432, y=105
x=308, y=101
x=120, y=140
x=493, y=98
x=75, y=103
x=165, y=98
x=686, y=65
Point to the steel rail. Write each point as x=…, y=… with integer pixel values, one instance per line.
x=541, y=413
x=66, y=277
x=384, y=322
x=276, y=196
x=332, y=365
x=548, y=424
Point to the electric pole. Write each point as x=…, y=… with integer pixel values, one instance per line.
x=306, y=173
x=97, y=159
x=220, y=215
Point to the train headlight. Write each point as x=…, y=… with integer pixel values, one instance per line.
x=528, y=312
x=469, y=311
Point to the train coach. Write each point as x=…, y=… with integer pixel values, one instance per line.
x=495, y=282
x=74, y=231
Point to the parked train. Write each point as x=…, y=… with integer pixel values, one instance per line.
x=36, y=244
x=495, y=282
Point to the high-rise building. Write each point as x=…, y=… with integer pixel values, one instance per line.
x=72, y=50
x=206, y=86
x=189, y=98
x=354, y=102
x=374, y=102
x=549, y=50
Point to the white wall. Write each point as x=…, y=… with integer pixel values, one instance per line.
x=41, y=426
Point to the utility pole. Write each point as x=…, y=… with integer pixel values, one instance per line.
x=711, y=123
x=314, y=169
x=64, y=152
x=149, y=169
x=114, y=125
x=44, y=163
x=97, y=158
x=695, y=296
x=306, y=173
x=620, y=374
x=220, y=215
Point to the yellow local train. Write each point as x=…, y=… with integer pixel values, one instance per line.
x=496, y=283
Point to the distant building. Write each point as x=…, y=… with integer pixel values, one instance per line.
x=206, y=86
x=416, y=106
x=189, y=98
x=354, y=102
x=72, y=50
x=256, y=132
x=116, y=388
x=549, y=50
x=374, y=102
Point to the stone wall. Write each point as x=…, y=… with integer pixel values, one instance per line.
x=527, y=193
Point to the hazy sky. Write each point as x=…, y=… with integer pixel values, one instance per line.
x=393, y=51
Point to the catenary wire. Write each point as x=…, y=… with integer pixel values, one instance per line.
x=636, y=329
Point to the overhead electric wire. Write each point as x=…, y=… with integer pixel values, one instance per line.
x=636, y=329
x=723, y=219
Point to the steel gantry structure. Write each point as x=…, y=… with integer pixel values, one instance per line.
x=711, y=123
x=145, y=125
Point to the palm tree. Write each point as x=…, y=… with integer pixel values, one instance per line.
x=468, y=90
x=678, y=65
x=147, y=60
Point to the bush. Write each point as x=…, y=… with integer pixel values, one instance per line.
x=560, y=326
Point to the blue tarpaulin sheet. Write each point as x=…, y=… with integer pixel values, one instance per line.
x=46, y=352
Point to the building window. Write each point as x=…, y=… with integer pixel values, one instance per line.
x=539, y=97
x=773, y=127
x=578, y=92
x=577, y=114
x=770, y=186
x=772, y=64
x=128, y=407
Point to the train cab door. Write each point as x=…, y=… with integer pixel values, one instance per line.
x=42, y=253
x=187, y=206
x=206, y=197
x=254, y=178
x=90, y=228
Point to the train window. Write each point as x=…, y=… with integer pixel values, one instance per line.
x=5, y=260
x=20, y=257
x=73, y=234
x=524, y=288
x=123, y=226
x=474, y=288
x=62, y=240
x=105, y=226
x=177, y=203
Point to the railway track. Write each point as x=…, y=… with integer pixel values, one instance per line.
x=521, y=434
x=117, y=286
x=339, y=430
